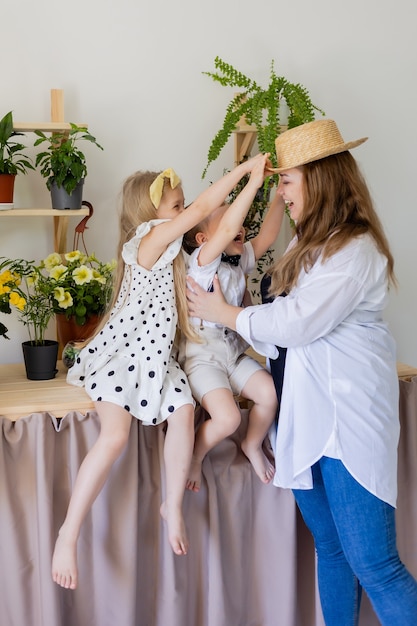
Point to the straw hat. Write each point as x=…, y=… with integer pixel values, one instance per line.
x=310, y=142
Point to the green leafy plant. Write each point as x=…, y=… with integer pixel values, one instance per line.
x=259, y=109
x=260, y=106
x=63, y=163
x=25, y=288
x=13, y=159
x=73, y=284
x=82, y=284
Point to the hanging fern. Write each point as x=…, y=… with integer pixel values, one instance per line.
x=260, y=106
x=262, y=109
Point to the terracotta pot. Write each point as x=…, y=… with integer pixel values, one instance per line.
x=40, y=360
x=68, y=330
x=7, y=188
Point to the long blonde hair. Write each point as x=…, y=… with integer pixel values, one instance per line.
x=337, y=207
x=137, y=208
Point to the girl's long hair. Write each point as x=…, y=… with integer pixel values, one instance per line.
x=137, y=208
x=337, y=207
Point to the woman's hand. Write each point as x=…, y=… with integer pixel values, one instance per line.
x=210, y=306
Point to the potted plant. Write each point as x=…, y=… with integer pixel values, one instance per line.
x=29, y=292
x=259, y=107
x=75, y=288
x=64, y=165
x=265, y=112
x=13, y=160
x=82, y=288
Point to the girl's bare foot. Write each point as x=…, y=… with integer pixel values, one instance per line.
x=263, y=468
x=64, y=563
x=177, y=534
x=194, y=475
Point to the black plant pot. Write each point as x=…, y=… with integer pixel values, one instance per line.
x=63, y=200
x=40, y=360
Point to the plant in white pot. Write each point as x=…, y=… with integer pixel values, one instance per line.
x=64, y=165
x=13, y=160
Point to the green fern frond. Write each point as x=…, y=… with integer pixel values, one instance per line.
x=260, y=106
x=301, y=108
x=231, y=76
x=234, y=112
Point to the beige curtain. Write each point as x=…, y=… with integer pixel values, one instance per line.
x=251, y=560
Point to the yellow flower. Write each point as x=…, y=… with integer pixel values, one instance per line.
x=75, y=284
x=82, y=275
x=52, y=260
x=32, y=280
x=17, y=301
x=58, y=271
x=99, y=277
x=75, y=255
x=6, y=277
x=64, y=298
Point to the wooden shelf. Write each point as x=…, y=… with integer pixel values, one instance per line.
x=56, y=125
x=20, y=397
x=245, y=136
x=48, y=212
x=46, y=127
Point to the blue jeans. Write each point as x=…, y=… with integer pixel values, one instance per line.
x=354, y=535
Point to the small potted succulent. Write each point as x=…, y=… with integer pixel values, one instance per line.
x=13, y=160
x=64, y=165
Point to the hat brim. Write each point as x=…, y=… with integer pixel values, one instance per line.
x=321, y=155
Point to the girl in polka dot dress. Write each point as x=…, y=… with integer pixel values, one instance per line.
x=128, y=367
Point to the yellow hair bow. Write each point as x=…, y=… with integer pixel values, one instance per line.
x=155, y=190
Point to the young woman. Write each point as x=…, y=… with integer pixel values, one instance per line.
x=336, y=443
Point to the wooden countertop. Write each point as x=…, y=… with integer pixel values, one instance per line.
x=406, y=372
x=20, y=397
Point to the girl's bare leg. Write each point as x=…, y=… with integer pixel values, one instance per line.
x=94, y=470
x=178, y=448
x=261, y=390
x=224, y=420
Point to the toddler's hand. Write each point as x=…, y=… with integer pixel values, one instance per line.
x=258, y=172
x=254, y=161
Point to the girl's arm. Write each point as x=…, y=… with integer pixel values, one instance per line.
x=270, y=227
x=211, y=198
x=234, y=216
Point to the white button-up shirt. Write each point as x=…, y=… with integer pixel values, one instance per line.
x=340, y=390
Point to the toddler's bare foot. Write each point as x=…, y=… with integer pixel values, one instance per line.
x=194, y=475
x=263, y=468
x=177, y=534
x=64, y=563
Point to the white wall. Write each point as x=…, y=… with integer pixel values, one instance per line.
x=133, y=71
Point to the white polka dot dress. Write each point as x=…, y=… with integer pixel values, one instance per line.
x=129, y=362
